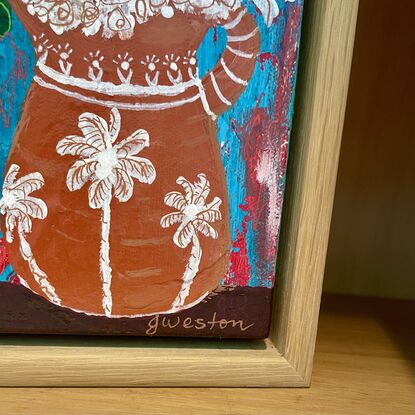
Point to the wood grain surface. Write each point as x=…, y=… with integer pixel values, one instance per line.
x=365, y=364
x=373, y=227
x=325, y=61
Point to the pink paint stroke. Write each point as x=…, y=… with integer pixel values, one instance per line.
x=265, y=149
x=18, y=72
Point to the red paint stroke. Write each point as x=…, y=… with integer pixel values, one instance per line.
x=265, y=57
x=239, y=270
x=15, y=279
x=215, y=35
x=18, y=72
x=4, y=258
x=4, y=262
x=262, y=135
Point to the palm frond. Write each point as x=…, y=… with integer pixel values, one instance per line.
x=203, y=227
x=18, y=218
x=76, y=146
x=11, y=175
x=94, y=129
x=25, y=224
x=80, y=172
x=11, y=220
x=9, y=236
x=29, y=183
x=175, y=200
x=214, y=204
x=123, y=188
x=140, y=168
x=171, y=218
x=98, y=192
x=188, y=189
x=184, y=234
x=33, y=206
x=115, y=124
x=210, y=215
x=133, y=144
x=201, y=189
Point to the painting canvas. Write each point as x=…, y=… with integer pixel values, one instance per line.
x=143, y=153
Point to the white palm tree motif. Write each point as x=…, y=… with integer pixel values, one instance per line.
x=110, y=168
x=194, y=216
x=19, y=208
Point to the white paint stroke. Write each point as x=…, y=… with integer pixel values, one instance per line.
x=218, y=91
x=139, y=106
x=235, y=21
x=240, y=53
x=231, y=74
x=40, y=277
x=191, y=270
x=202, y=94
x=242, y=38
x=104, y=257
x=108, y=88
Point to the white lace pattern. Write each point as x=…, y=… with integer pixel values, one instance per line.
x=119, y=17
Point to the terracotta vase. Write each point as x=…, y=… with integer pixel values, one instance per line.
x=115, y=200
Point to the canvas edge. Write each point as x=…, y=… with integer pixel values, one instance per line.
x=326, y=46
x=325, y=63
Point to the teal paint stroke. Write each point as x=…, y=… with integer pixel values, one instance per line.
x=13, y=89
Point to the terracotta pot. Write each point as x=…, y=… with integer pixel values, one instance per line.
x=119, y=254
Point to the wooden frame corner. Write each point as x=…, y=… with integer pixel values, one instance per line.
x=285, y=359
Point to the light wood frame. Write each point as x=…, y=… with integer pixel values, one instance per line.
x=285, y=359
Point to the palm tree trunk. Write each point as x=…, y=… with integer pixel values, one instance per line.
x=40, y=277
x=190, y=272
x=104, y=257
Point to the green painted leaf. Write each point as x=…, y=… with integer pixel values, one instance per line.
x=5, y=18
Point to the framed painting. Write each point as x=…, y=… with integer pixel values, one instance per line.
x=143, y=188
x=146, y=148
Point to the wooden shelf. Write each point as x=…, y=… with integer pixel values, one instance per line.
x=365, y=364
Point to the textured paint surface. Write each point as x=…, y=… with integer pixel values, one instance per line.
x=254, y=141
x=17, y=60
x=253, y=135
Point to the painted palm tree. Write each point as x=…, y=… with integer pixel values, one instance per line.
x=19, y=208
x=193, y=215
x=111, y=169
